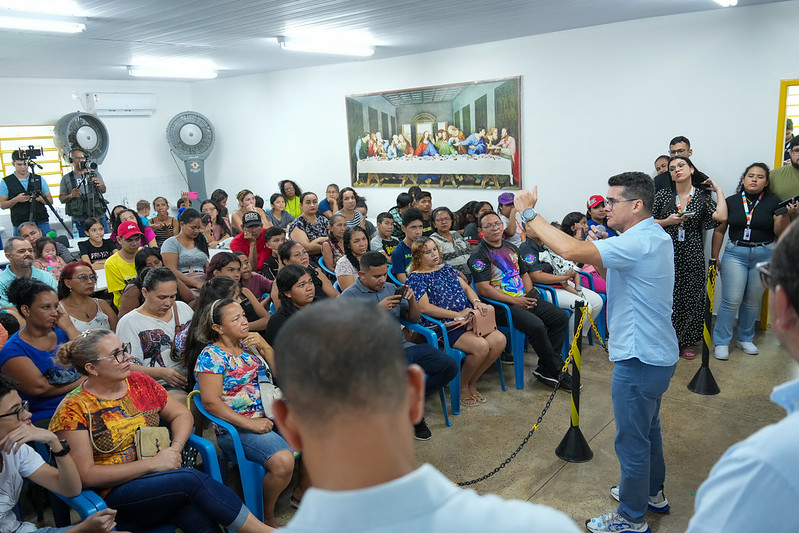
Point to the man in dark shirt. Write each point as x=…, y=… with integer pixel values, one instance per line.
x=371, y=285
x=502, y=273
x=412, y=223
x=423, y=201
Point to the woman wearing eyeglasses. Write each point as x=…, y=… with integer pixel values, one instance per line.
x=75, y=290
x=19, y=462
x=753, y=231
x=27, y=356
x=155, y=330
x=99, y=419
x=686, y=210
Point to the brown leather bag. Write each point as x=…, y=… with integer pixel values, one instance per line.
x=483, y=325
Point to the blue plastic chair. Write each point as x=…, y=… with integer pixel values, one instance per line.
x=430, y=338
x=551, y=295
x=252, y=473
x=330, y=273
x=89, y=502
x=337, y=286
x=516, y=338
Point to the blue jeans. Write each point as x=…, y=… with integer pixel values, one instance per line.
x=186, y=498
x=637, y=389
x=258, y=448
x=741, y=291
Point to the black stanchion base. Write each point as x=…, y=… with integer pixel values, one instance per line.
x=704, y=382
x=574, y=448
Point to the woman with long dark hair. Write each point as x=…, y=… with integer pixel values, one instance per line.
x=218, y=228
x=296, y=291
x=156, y=330
x=131, y=295
x=333, y=248
x=278, y=215
x=753, y=231
x=349, y=201
x=356, y=243
x=219, y=197
x=686, y=210
x=293, y=195
x=186, y=254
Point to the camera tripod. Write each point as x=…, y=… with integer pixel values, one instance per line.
x=35, y=190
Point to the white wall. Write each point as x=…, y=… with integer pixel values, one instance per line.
x=595, y=102
x=138, y=164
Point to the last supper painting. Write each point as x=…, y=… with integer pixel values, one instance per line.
x=463, y=135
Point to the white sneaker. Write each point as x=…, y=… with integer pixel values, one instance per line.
x=748, y=347
x=615, y=523
x=722, y=351
x=657, y=503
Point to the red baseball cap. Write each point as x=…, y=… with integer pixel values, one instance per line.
x=128, y=229
x=594, y=201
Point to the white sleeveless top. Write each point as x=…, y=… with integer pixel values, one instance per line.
x=100, y=321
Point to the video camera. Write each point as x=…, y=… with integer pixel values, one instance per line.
x=87, y=165
x=29, y=153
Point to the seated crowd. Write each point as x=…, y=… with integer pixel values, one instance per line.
x=196, y=302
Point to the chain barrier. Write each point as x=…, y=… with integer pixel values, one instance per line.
x=565, y=368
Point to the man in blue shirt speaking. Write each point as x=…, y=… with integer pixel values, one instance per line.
x=639, y=269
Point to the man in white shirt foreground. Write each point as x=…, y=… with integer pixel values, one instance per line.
x=350, y=403
x=754, y=485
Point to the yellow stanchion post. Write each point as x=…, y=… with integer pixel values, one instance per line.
x=573, y=447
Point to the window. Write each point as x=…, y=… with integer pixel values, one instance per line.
x=789, y=109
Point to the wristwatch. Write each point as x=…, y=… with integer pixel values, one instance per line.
x=64, y=449
x=528, y=214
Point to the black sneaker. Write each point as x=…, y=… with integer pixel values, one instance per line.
x=566, y=382
x=421, y=431
x=506, y=358
x=544, y=378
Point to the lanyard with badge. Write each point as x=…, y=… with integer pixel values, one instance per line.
x=681, y=231
x=748, y=213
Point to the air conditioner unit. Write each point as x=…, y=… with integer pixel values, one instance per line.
x=122, y=104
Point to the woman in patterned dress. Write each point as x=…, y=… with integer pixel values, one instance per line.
x=227, y=374
x=443, y=294
x=686, y=210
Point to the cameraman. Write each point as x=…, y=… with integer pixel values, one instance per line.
x=83, y=199
x=15, y=195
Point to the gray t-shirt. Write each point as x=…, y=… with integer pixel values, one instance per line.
x=189, y=259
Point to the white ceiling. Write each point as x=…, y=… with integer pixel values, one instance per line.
x=239, y=35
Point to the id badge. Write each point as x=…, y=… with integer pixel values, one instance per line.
x=747, y=234
x=681, y=235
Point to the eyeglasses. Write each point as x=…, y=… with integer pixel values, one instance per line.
x=18, y=412
x=118, y=354
x=86, y=277
x=610, y=202
x=496, y=225
x=765, y=274
x=681, y=151
x=444, y=219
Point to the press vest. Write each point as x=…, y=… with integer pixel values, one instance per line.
x=21, y=212
x=79, y=208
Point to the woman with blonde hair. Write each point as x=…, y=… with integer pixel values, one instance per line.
x=444, y=295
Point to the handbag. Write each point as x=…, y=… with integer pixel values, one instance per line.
x=151, y=440
x=483, y=325
x=269, y=391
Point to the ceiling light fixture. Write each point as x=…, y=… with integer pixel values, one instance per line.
x=33, y=22
x=325, y=46
x=182, y=69
x=726, y=3
x=67, y=8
